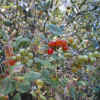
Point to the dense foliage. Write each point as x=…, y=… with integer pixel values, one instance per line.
x=50, y=49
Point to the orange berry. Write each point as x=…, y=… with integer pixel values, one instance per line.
x=59, y=43
x=71, y=40
x=52, y=44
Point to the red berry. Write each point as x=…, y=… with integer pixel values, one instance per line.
x=64, y=43
x=59, y=43
x=52, y=44
x=50, y=51
x=65, y=48
x=11, y=62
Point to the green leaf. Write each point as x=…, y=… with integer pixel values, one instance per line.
x=23, y=87
x=3, y=35
x=73, y=92
x=54, y=29
x=44, y=5
x=82, y=83
x=8, y=23
x=42, y=97
x=29, y=63
x=43, y=62
x=64, y=82
x=33, y=94
x=7, y=86
x=52, y=83
x=21, y=42
x=45, y=73
x=97, y=89
x=46, y=63
x=31, y=76
x=90, y=68
x=17, y=97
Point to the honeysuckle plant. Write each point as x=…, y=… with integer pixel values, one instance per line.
x=49, y=49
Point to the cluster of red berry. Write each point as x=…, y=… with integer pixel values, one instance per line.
x=56, y=44
x=10, y=62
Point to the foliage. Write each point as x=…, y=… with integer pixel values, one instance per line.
x=26, y=29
